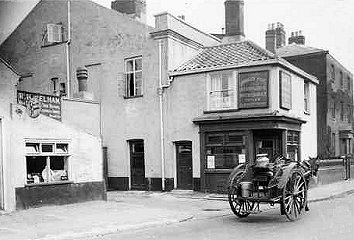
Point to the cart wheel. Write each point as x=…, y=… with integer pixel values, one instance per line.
x=294, y=196
x=240, y=207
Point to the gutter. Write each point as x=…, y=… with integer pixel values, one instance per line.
x=162, y=139
x=68, y=51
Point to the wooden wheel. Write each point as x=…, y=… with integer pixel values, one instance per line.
x=294, y=196
x=240, y=207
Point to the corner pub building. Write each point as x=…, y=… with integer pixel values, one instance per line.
x=240, y=106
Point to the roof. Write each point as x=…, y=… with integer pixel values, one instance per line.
x=297, y=49
x=231, y=54
x=8, y=65
x=235, y=55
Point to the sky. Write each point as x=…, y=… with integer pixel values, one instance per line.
x=326, y=24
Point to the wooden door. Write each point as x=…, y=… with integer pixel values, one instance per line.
x=184, y=165
x=137, y=165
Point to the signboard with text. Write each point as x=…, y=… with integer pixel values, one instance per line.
x=285, y=90
x=253, y=89
x=46, y=104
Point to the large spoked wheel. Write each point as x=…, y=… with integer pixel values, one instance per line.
x=240, y=207
x=294, y=196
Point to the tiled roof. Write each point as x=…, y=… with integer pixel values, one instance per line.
x=231, y=54
x=296, y=49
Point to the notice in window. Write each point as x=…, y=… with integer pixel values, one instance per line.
x=241, y=158
x=253, y=89
x=211, y=162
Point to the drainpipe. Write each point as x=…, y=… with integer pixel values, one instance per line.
x=68, y=52
x=162, y=140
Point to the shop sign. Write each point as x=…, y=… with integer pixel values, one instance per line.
x=285, y=90
x=253, y=89
x=36, y=104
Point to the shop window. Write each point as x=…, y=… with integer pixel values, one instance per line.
x=222, y=90
x=225, y=150
x=46, y=162
x=133, y=77
x=334, y=143
x=307, y=97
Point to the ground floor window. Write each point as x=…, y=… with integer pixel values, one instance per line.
x=225, y=150
x=292, y=145
x=46, y=162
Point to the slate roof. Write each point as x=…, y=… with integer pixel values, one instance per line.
x=232, y=54
x=296, y=49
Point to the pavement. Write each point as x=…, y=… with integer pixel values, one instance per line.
x=130, y=210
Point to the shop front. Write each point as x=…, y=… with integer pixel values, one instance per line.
x=229, y=141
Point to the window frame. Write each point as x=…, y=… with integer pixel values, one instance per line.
x=133, y=72
x=282, y=78
x=53, y=34
x=232, y=89
x=50, y=155
x=307, y=98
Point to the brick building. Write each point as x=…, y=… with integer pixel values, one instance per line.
x=334, y=95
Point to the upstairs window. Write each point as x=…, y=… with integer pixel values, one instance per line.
x=341, y=80
x=341, y=111
x=53, y=34
x=333, y=73
x=333, y=108
x=54, y=82
x=307, y=97
x=222, y=90
x=348, y=83
x=133, y=77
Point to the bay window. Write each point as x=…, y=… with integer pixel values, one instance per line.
x=222, y=90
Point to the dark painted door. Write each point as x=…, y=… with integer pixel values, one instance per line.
x=137, y=165
x=184, y=165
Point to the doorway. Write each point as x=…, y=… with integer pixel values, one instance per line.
x=184, y=165
x=137, y=165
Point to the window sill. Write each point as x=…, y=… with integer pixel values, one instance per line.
x=222, y=110
x=52, y=44
x=125, y=97
x=210, y=170
x=48, y=183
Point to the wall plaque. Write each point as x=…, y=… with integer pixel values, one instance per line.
x=253, y=89
x=285, y=90
x=40, y=103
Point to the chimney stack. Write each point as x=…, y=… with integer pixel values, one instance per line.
x=234, y=21
x=297, y=38
x=136, y=9
x=275, y=36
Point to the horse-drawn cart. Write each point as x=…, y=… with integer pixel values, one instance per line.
x=282, y=181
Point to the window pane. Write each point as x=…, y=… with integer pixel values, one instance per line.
x=138, y=64
x=35, y=166
x=62, y=148
x=47, y=148
x=130, y=84
x=129, y=66
x=138, y=83
x=58, y=168
x=32, y=147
